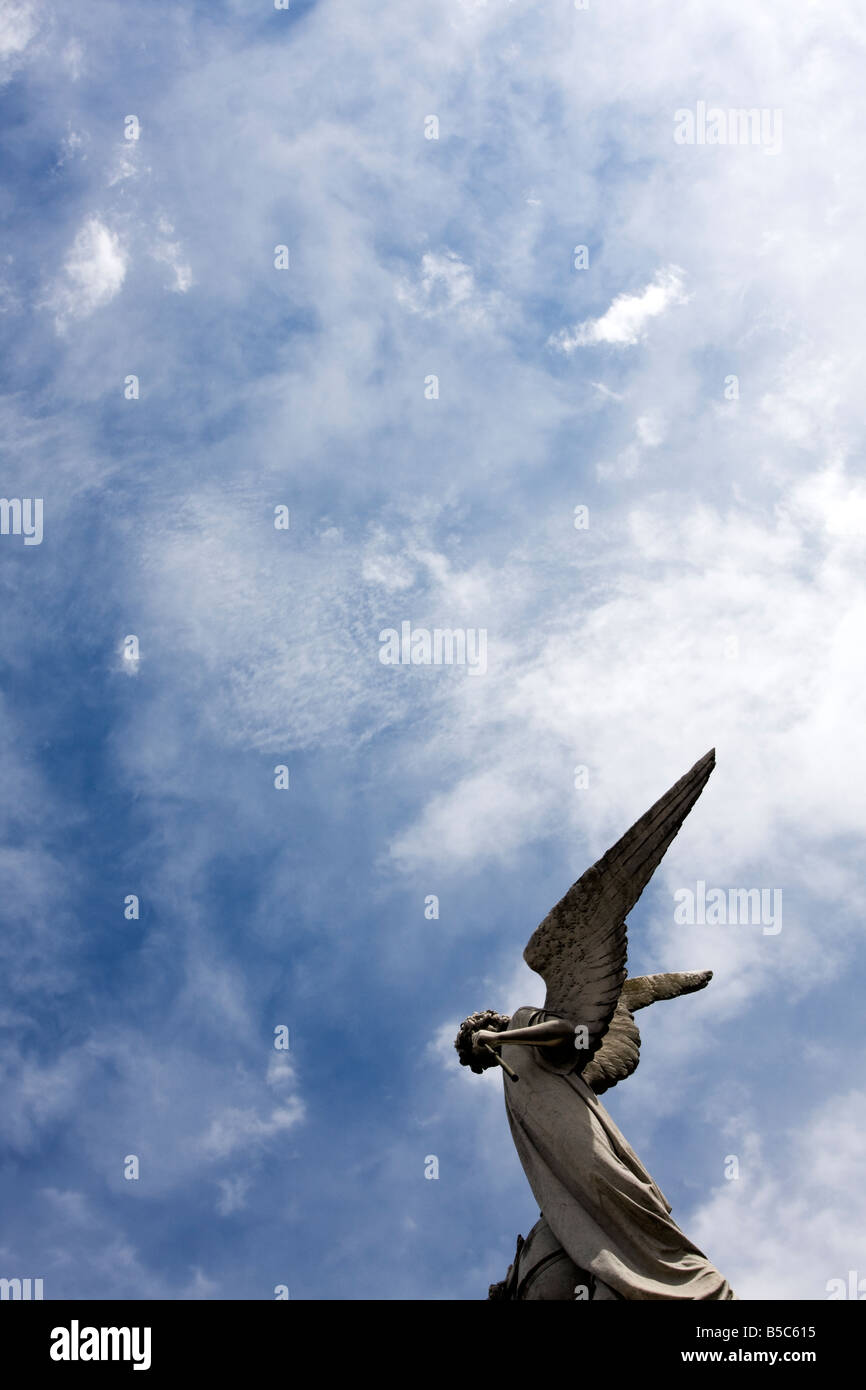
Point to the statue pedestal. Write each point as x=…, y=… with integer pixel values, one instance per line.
x=542, y=1270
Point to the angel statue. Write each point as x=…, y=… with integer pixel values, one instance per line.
x=605, y=1230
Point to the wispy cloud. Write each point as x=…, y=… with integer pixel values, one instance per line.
x=625, y=323
x=93, y=273
x=18, y=24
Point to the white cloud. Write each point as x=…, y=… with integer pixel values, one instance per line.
x=625, y=322
x=125, y=164
x=606, y=392
x=650, y=430
x=72, y=1206
x=831, y=501
x=18, y=24
x=94, y=271
x=447, y=286
x=73, y=58
x=233, y=1195
x=200, y=1287
x=459, y=826
x=170, y=253
x=280, y=1073
x=793, y=1220
x=72, y=142
x=237, y=1128
x=444, y=283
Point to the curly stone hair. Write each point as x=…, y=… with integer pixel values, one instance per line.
x=476, y=1058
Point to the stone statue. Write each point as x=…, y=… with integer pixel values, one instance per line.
x=605, y=1230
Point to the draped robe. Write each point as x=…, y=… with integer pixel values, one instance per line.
x=594, y=1192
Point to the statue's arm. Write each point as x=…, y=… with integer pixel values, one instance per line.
x=546, y=1034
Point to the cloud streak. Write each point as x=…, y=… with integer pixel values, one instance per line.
x=625, y=323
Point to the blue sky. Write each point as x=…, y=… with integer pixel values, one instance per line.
x=716, y=599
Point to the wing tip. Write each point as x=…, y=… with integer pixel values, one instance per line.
x=697, y=979
x=704, y=764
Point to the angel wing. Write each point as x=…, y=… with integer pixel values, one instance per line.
x=580, y=947
x=619, y=1053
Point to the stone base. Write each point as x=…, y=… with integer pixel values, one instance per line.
x=541, y=1269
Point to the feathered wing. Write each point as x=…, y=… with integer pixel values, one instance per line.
x=580, y=948
x=619, y=1053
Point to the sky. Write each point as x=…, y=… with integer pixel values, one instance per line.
x=323, y=266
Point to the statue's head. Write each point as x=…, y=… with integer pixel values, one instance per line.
x=479, y=1059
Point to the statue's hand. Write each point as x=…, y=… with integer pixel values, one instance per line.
x=485, y=1035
